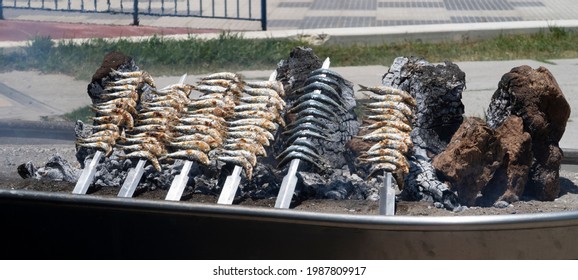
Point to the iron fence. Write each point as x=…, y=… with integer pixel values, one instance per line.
x=248, y=10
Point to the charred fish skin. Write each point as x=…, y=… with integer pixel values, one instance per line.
x=320, y=98
x=399, y=106
x=308, y=119
x=381, y=167
x=254, y=128
x=308, y=126
x=223, y=75
x=191, y=145
x=322, y=79
x=326, y=72
x=274, y=85
x=383, y=90
x=240, y=161
x=248, y=155
x=389, y=123
x=261, y=139
x=102, y=146
x=305, y=143
x=267, y=124
x=324, y=88
x=147, y=155
x=307, y=133
x=253, y=147
x=317, y=113
x=298, y=155
x=312, y=104
x=192, y=155
x=301, y=149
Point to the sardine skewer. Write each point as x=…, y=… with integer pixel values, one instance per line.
x=232, y=182
x=180, y=181
x=290, y=180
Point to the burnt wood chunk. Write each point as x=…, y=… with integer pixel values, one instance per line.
x=534, y=95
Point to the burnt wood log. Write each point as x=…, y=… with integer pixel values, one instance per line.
x=534, y=95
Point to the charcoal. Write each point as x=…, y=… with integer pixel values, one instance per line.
x=110, y=171
x=56, y=169
x=339, y=185
x=423, y=184
x=82, y=130
x=26, y=170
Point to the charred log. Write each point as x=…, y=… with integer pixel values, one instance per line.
x=534, y=95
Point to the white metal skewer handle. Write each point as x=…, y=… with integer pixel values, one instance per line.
x=132, y=179
x=87, y=175
x=179, y=183
x=288, y=186
x=232, y=182
x=387, y=196
x=290, y=180
x=230, y=187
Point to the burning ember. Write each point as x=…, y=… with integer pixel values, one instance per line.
x=298, y=135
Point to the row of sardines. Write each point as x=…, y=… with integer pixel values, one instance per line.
x=233, y=120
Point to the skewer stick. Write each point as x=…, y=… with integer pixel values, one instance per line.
x=179, y=182
x=87, y=175
x=387, y=196
x=232, y=182
x=290, y=180
x=132, y=179
x=135, y=174
x=230, y=187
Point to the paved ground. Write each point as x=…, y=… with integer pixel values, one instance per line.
x=308, y=14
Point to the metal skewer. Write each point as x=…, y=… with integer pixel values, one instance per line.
x=290, y=180
x=387, y=196
x=132, y=179
x=134, y=175
x=232, y=182
x=230, y=187
x=179, y=182
x=87, y=175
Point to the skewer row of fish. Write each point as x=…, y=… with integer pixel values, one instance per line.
x=390, y=115
x=202, y=127
x=117, y=111
x=253, y=123
x=158, y=114
x=316, y=106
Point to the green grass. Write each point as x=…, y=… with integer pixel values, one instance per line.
x=231, y=52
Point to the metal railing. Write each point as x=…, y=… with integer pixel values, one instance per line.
x=247, y=10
